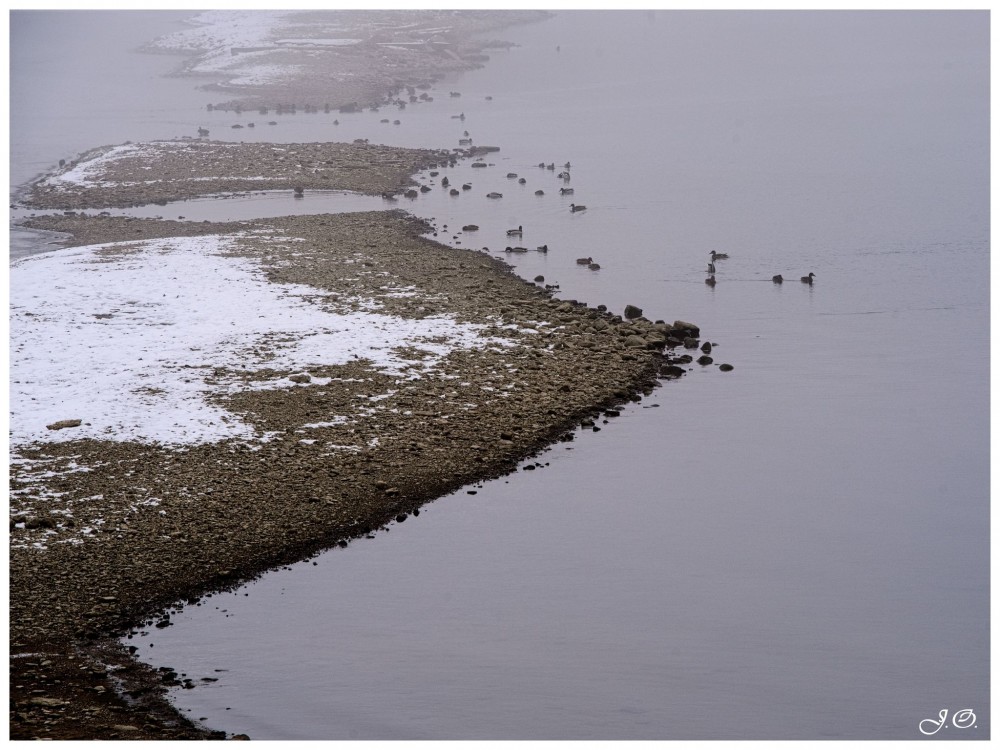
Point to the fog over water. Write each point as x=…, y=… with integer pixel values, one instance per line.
x=798, y=549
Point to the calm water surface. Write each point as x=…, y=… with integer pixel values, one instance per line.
x=795, y=550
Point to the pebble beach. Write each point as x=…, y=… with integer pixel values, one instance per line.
x=194, y=403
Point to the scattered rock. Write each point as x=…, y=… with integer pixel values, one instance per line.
x=636, y=342
x=63, y=424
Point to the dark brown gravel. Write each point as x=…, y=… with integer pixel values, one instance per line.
x=191, y=168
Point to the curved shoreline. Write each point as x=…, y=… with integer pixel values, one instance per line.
x=572, y=363
x=70, y=602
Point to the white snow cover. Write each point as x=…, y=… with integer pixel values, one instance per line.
x=215, y=33
x=84, y=172
x=125, y=341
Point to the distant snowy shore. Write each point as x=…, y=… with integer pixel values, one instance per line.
x=269, y=57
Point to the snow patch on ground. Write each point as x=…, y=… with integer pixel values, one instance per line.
x=127, y=338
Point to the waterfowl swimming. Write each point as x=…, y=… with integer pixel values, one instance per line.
x=542, y=248
x=711, y=267
x=515, y=232
x=584, y=261
x=808, y=279
x=494, y=195
x=573, y=208
x=710, y=280
x=719, y=256
x=565, y=191
x=777, y=279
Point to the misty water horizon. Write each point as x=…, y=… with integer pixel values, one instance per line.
x=798, y=549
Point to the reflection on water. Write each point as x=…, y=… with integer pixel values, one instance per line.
x=797, y=549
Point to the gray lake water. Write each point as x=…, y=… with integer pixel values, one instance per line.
x=798, y=549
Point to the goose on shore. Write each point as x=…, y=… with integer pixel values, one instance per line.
x=808, y=279
x=710, y=280
x=573, y=208
x=719, y=256
x=515, y=232
x=777, y=279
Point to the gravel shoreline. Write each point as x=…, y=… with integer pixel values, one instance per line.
x=107, y=535
x=233, y=509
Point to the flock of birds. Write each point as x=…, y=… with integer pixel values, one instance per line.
x=777, y=278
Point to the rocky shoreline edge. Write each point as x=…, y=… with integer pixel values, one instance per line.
x=227, y=511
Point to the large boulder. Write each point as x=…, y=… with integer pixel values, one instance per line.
x=690, y=329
